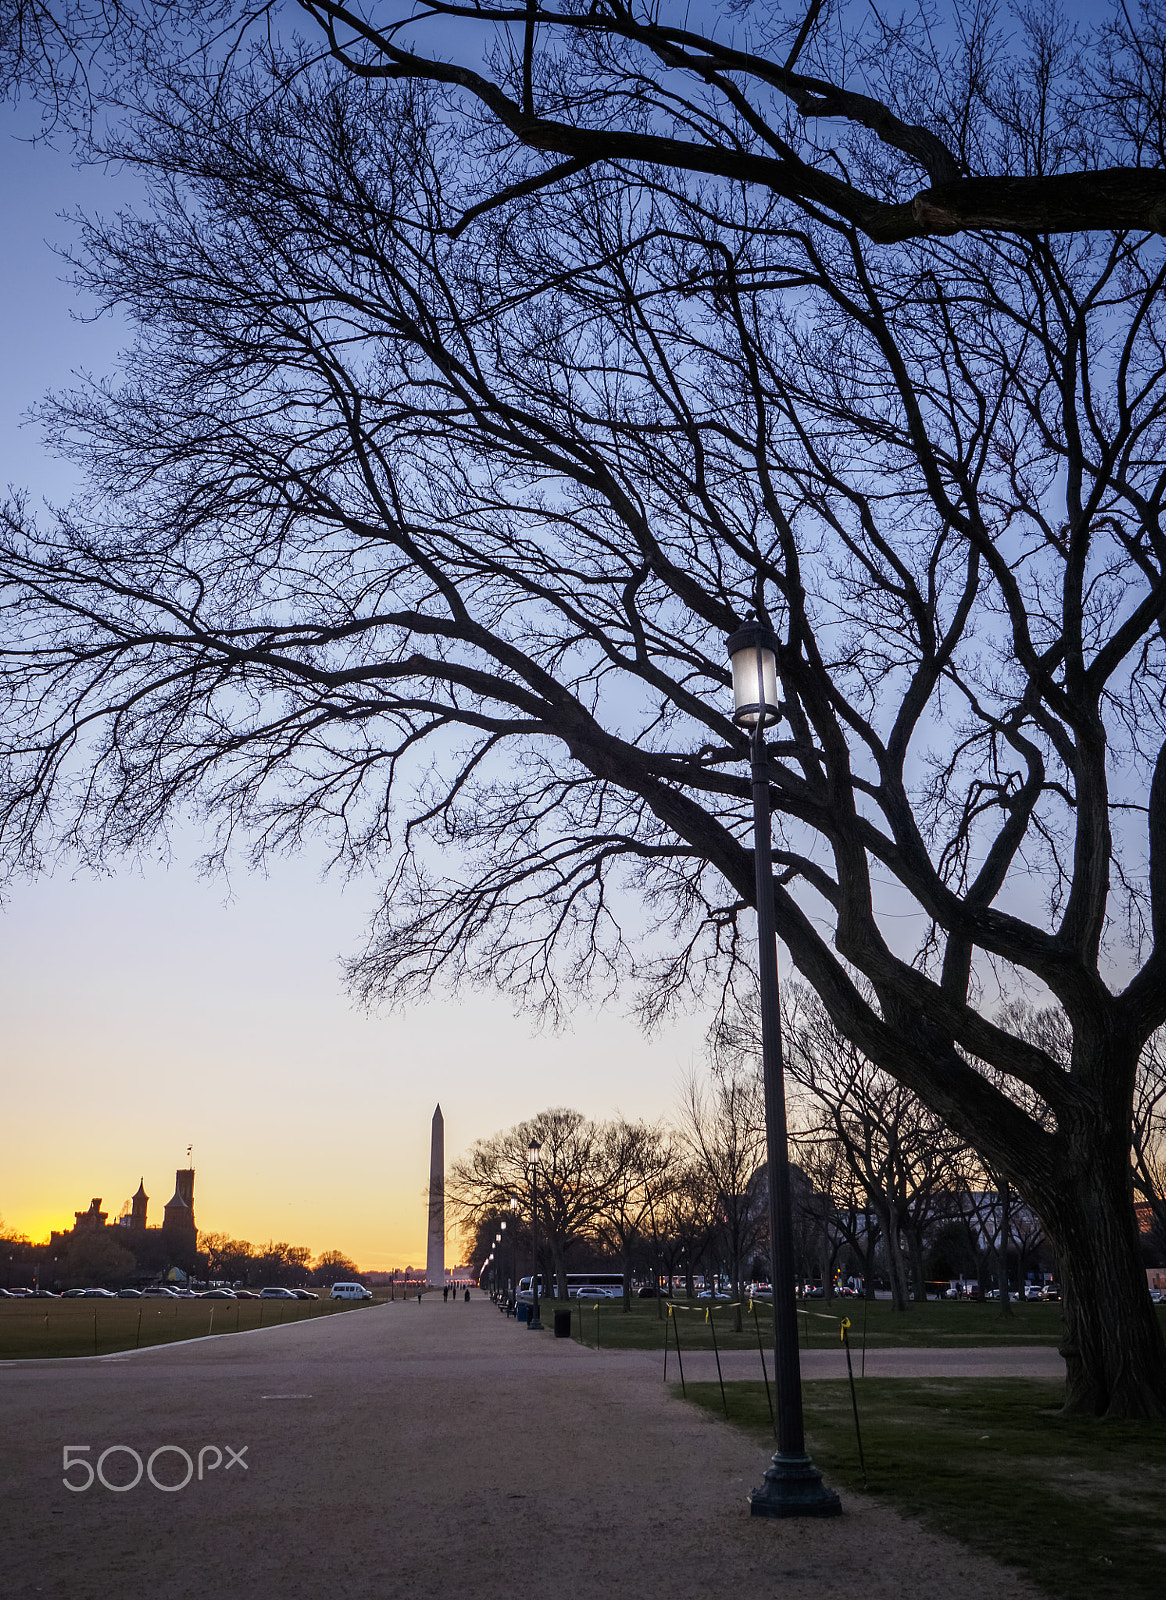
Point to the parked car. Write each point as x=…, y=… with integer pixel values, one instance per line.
x=350, y=1291
x=305, y=1294
x=158, y=1291
x=218, y=1294
x=42, y=1294
x=1033, y=1291
x=277, y=1294
x=1051, y=1291
x=97, y=1294
x=129, y=1294
x=245, y=1294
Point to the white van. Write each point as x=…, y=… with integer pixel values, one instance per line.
x=350, y=1291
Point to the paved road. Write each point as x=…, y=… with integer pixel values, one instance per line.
x=416, y=1451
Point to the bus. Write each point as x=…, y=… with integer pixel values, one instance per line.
x=580, y=1286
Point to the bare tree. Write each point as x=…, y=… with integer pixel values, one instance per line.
x=633, y=1173
x=723, y=1124
x=898, y=1152
x=431, y=543
x=481, y=1182
x=769, y=100
x=938, y=138
x=844, y=1214
x=688, y=1223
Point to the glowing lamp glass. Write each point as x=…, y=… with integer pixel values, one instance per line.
x=753, y=658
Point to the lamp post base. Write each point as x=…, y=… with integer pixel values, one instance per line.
x=793, y=1487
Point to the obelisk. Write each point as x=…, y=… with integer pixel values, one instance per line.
x=435, y=1254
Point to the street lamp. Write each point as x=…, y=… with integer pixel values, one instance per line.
x=793, y=1486
x=533, y=1149
x=513, y=1204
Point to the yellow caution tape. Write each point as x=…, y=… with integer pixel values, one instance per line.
x=843, y=1324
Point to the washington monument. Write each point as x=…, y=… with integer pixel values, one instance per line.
x=435, y=1254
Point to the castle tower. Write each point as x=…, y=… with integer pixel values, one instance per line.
x=93, y=1218
x=178, y=1212
x=435, y=1254
x=138, y=1206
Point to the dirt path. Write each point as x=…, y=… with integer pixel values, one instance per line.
x=417, y=1451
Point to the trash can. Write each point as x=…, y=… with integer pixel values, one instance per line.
x=523, y=1311
x=562, y=1324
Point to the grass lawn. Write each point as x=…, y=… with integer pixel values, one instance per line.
x=936, y=1323
x=1078, y=1506
x=99, y=1327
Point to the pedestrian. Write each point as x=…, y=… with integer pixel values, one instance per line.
x=467, y=1297
x=419, y=1297
x=445, y=1294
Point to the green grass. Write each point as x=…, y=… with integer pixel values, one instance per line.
x=1078, y=1506
x=936, y=1323
x=40, y=1328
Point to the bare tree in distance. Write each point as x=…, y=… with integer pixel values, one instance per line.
x=688, y=1224
x=633, y=1173
x=722, y=1120
x=482, y=1181
x=900, y=1152
x=430, y=545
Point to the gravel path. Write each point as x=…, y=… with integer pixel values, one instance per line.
x=417, y=1451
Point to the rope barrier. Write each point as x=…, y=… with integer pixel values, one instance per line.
x=732, y=1305
x=845, y=1324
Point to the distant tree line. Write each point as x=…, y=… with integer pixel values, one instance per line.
x=279, y=1265
x=883, y=1191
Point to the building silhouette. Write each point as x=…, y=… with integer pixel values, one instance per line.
x=154, y=1250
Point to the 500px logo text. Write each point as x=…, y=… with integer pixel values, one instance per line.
x=168, y=1468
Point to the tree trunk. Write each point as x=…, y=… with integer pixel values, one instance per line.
x=627, y=1284
x=896, y=1267
x=1113, y=1347
x=1005, y=1194
x=870, y=1241
x=917, y=1271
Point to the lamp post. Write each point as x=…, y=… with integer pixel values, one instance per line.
x=793, y=1486
x=513, y=1203
x=533, y=1149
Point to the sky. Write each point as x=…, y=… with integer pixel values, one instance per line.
x=149, y=1009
